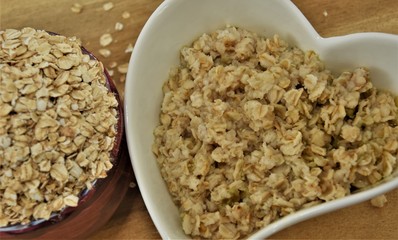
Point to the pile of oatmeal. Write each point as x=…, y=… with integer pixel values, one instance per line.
x=57, y=124
x=252, y=129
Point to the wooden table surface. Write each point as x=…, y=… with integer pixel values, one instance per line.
x=329, y=18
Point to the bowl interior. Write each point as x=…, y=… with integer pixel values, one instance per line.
x=157, y=50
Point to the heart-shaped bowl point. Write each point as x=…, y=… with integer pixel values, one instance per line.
x=177, y=23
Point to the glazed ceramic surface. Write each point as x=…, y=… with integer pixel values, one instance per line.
x=177, y=23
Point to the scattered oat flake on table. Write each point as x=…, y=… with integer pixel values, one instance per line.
x=112, y=64
x=108, y=6
x=123, y=68
x=129, y=48
x=76, y=8
x=119, y=26
x=105, y=52
x=106, y=39
x=122, y=78
x=379, y=201
x=325, y=13
x=125, y=15
x=110, y=72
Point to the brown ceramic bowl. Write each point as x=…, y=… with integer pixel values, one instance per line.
x=96, y=205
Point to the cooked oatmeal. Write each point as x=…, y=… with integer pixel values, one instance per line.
x=252, y=129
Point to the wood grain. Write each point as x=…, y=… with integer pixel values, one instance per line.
x=131, y=220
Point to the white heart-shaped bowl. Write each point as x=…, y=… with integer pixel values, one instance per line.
x=177, y=23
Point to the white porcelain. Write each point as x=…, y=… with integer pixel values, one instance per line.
x=178, y=22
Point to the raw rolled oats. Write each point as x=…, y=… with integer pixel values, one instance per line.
x=129, y=48
x=57, y=124
x=122, y=78
x=108, y=6
x=125, y=15
x=112, y=64
x=123, y=68
x=106, y=39
x=111, y=72
x=76, y=8
x=105, y=52
x=252, y=129
x=119, y=26
x=379, y=201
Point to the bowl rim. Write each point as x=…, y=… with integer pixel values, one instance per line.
x=301, y=215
